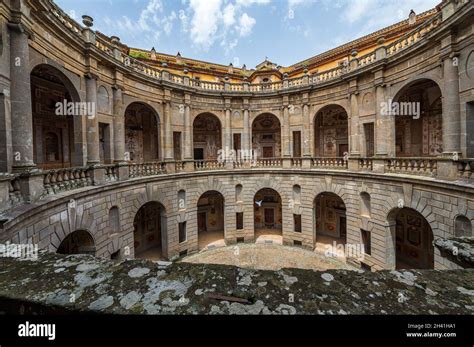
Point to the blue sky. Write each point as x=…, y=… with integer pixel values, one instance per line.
x=242, y=31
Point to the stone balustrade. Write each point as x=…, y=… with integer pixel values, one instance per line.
x=339, y=163
x=417, y=34
x=60, y=180
x=412, y=166
x=200, y=165
x=67, y=179
x=146, y=169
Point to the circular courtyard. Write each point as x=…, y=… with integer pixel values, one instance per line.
x=268, y=257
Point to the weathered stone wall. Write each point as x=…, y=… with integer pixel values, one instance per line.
x=50, y=220
x=84, y=284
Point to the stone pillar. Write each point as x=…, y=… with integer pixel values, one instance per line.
x=21, y=107
x=5, y=132
x=384, y=127
x=93, y=156
x=228, y=131
x=451, y=108
x=168, y=132
x=188, y=133
x=246, y=140
x=306, y=136
x=354, y=126
x=286, y=150
x=119, y=125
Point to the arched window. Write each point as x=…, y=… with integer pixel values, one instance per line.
x=103, y=100
x=114, y=220
x=182, y=199
x=296, y=193
x=238, y=192
x=365, y=204
x=462, y=227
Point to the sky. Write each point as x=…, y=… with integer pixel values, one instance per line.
x=242, y=31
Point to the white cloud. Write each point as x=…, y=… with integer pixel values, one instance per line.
x=228, y=15
x=246, y=24
x=204, y=24
x=247, y=3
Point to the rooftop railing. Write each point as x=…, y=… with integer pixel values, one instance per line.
x=106, y=46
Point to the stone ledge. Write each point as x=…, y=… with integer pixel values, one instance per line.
x=84, y=284
x=459, y=249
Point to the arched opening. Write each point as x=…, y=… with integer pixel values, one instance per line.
x=142, y=135
x=331, y=132
x=266, y=136
x=413, y=240
x=207, y=137
x=54, y=119
x=462, y=227
x=77, y=242
x=268, y=216
x=330, y=221
x=210, y=220
x=417, y=109
x=114, y=220
x=365, y=204
x=149, y=231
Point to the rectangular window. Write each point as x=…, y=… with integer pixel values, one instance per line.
x=182, y=232
x=297, y=144
x=239, y=220
x=237, y=142
x=297, y=222
x=369, y=139
x=366, y=241
x=177, y=145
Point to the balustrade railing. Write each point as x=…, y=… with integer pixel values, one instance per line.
x=296, y=163
x=146, y=169
x=269, y=162
x=337, y=163
x=201, y=165
x=59, y=180
x=366, y=164
x=412, y=166
x=466, y=168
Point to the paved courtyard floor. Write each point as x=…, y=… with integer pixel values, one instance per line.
x=264, y=256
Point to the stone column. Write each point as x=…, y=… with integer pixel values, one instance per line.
x=228, y=131
x=188, y=133
x=21, y=107
x=384, y=127
x=93, y=156
x=286, y=150
x=306, y=138
x=168, y=132
x=354, y=126
x=451, y=108
x=246, y=140
x=119, y=126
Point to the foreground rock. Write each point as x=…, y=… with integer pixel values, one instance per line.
x=84, y=284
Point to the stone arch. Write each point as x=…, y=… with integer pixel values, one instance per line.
x=70, y=80
x=268, y=215
x=419, y=123
x=462, y=226
x=55, y=135
x=400, y=86
x=213, y=185
x=266, y=135
x=411, y=239
x=330, y=218
x=208, y=135
x=254, y=116
x=341, y=103
x=79, y=241
x=211, y=219
x=103, y=99
x=150, y=231
x=142, y=132
x=330, y=127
